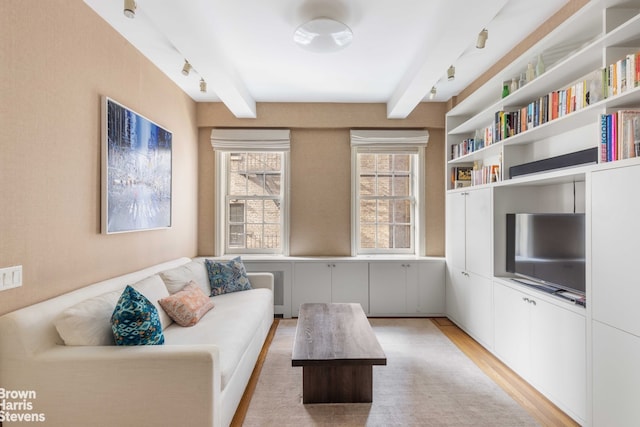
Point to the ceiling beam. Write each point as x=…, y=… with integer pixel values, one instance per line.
x=452, y=35
x=189, y=28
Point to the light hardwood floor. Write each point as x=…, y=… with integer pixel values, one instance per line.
x=540, y=408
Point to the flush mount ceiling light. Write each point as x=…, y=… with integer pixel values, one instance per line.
x=129, y=8
x=482, y=38
x=323, y=35
x=451, y=73
x=186, y=68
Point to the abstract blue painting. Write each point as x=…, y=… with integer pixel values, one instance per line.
x=136, y=171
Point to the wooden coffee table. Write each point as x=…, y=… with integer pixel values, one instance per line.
x=337, y=349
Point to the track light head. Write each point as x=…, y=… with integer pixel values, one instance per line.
x=129, y=8
x=482, y=38
x=203, y=85
x=186, y=68
x=451, y=73
x=432, y=94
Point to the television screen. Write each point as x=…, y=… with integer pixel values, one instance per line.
x=548, y=248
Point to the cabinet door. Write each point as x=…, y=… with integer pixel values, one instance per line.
x=478, y=231
x=479, y=307
x=456, y=295
x=454, y=230
x=430, y=289
x=311, y=283
x=616, y=376
x=387, y=287
x=558, y=355
x=511, y=329
x=350, y=283
x=615, y=207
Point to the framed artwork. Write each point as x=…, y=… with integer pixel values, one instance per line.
x=136, y=171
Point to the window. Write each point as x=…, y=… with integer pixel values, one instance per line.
x=387, y=189
x=252, y=196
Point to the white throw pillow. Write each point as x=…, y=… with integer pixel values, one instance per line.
x=89, y=321
x=154, y=290
x=194, y=271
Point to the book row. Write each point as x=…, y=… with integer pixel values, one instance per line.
x=612, y=80
x=619, y=135
x=466, y=176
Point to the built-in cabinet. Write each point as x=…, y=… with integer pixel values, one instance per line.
x=402, y=286
x=584, y=359
x=615, y=209
x=469, y=259
x=544, y=341
x=406, y=288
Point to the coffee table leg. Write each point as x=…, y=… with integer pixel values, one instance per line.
x=337, y=384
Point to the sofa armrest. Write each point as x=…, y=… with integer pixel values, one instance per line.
x=261, y=280
x=111, y=385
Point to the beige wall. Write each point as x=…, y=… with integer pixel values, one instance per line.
x=56, y=58
x=320, y=208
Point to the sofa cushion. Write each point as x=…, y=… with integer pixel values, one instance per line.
x=231, y=326
x=135, y=320
x=226, y=277
x=88, y=322
x=187, y=306
x=154, y=289
x=176, y=278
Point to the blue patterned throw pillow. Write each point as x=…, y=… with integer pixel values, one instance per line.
x=227, y=277
x=135, y=320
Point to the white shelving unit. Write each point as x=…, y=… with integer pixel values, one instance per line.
x=599, y=34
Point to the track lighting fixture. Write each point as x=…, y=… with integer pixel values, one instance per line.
x=129, y=8
x=482, y=38
x=451, y=73
x=186, y=68
x=432, y=94
x=203, y=85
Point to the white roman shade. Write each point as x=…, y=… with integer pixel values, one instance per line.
x=250, y=139
x=380, y=141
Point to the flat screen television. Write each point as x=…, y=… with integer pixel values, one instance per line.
x=549, y=249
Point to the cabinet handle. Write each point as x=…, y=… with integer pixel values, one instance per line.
x=525, y=299
x=533, y=302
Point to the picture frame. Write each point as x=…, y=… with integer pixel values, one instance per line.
x=136, y=171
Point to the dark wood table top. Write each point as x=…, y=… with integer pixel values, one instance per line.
x=335, y=334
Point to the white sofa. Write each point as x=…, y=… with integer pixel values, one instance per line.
x=196, y=378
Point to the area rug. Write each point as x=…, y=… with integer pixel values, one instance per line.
x=428, y=381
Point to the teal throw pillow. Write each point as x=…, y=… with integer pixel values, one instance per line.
x=135, y=320
x=225, y=277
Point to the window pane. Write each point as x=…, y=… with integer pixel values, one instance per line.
x=368, y=236
x=271, y=236
x=367, y=163
x=367, y=185
x=401, y=185
x=384, y=236
x=272, y=185
x=384, y=163
x=236, y=212
x=271, y=212
x=385, y=211
x=402, y=162
x=402, y=236
x=402, y=212
x=237, y=184
x=384, y=185
x=238, y=162
x=272, y=162
x=367, y=211
x=254, y=236
x=254, y=211
x=236, y=236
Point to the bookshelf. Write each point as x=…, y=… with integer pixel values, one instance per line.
x=585, y=53
x=483, y=300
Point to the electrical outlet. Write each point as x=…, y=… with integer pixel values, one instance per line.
x=10, y=277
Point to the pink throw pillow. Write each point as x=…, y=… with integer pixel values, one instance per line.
x=187, y=306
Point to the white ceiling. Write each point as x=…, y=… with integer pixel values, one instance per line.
x=245, y=52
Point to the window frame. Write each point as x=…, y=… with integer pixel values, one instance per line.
x=390, y=142
x=228, y=141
